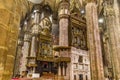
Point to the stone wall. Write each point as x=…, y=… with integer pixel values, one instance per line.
x=11, y=12
x=80, y=64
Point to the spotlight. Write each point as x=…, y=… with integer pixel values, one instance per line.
x=32, y=15
x=82, y=11
x=101, y=20
x=25, y=22
x=35, y=11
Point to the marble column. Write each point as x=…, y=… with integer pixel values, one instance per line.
x=25, y=52
x=32, y=60
x=93, y=37
x=59, y=70
x=112, y=24
x=35, y=32
x=37, y=16
x=33, y=52
x=117, y=24
x=18, y=58
x=63, y=69
x=63, y=14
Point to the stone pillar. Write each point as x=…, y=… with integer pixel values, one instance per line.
x=61, y=66
x=18, y=57
x=63, y=14
x=25, y=52
x=94, y=44
x=37, y=16
x=35, y=32
x=59, y=70
x=113, y=28
x=117, y=25
x=71, y=71
x=33, y=52
x=63, y=69
x=32, y=59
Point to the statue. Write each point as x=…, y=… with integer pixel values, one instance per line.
x=46, y=26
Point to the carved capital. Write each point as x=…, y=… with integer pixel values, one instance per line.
x=20, y=42
x=109, y=11
x=27, y=37
x=64, y=8
x=35, y=29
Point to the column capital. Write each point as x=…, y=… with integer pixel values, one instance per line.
x=27, y=37
x=35, y=29
x=109, y=10
x=64, y=4
x=20, y=42
x=63, y=10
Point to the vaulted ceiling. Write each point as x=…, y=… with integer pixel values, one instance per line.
x=79, y=3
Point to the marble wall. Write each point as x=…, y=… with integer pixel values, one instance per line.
x=80, y=64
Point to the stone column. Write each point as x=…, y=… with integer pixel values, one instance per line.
x=33, y=52
x=25, y=52
x=112, y=24
x=61, y=66
x=59, y=70
x=66, y=69
x=117, y=25
x=18, y=57
x=35, y=32
x=32, y=60
x=63, y=69
x=94, y=44
x=37, y=16
x=63, y=14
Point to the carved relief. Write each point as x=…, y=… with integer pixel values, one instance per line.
x=46, y=26
x=79, y=37
x=45, y=49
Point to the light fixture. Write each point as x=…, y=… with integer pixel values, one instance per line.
x=35, y=11
x=50, y=17
x=32, y=16
x=25, y=22
x=36, y=1
x=101, y=20
x=82, y=11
